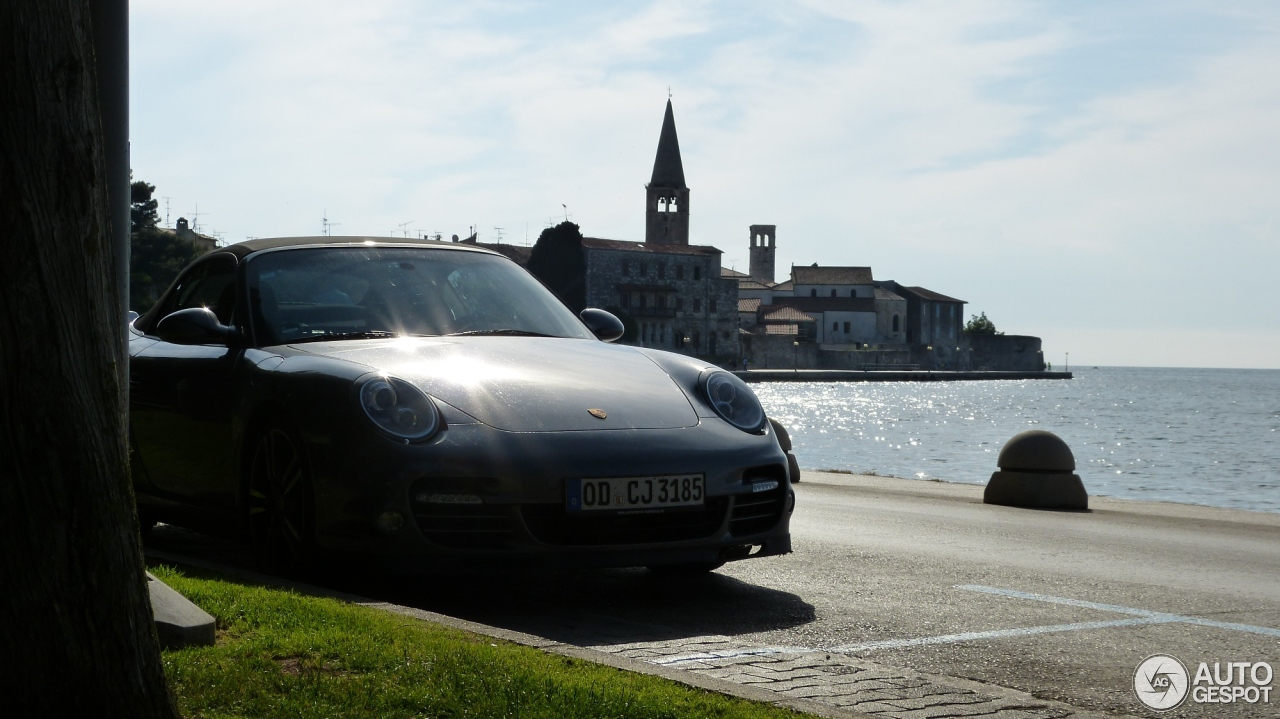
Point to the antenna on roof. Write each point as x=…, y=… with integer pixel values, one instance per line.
x=195, y=219
x=404, y=228
x=166, y=212
x=326, y=225
x=498, y=231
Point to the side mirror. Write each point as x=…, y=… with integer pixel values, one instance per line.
x=602, y=324
x=194, y=326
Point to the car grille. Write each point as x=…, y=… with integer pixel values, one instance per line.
x=551, y=524
x=759, y=511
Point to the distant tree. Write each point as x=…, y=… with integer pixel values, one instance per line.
x=76, y=637
x=560, y=262
x=143, y=206
x=156, y=255
x=980, y=325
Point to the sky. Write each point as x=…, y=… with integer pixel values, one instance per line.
x=1105, y=176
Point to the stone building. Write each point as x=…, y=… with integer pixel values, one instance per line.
x=183, y=230
x=672, y=292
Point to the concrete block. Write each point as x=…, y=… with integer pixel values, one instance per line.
x=1037, y=471
x=1036, y=490
x=179, y=623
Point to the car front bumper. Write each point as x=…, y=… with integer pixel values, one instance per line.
x=479, y=497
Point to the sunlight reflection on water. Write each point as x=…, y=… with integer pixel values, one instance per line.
x=1198, y=436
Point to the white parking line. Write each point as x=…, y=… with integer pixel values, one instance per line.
x=997, y=634
x=728, y=654
x=1268, y=631
x=1141, y=617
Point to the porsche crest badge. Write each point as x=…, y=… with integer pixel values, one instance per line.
x=598, y=413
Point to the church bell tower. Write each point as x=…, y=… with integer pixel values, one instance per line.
x=666, y=212
x=762, y=252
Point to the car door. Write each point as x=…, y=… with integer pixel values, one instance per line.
x=183, y=396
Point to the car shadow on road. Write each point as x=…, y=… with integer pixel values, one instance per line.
x=585, y=608
x=607, y=607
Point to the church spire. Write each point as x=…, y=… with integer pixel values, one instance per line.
x=666, y=217
x=668, y=170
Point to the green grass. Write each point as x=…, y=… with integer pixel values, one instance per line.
x=284, y=654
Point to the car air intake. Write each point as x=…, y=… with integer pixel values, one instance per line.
x=460, y=520
x=759, y=511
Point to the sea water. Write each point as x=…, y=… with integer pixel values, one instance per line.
x=1197, y=436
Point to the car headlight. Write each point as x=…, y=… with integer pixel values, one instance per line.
x=398, y=408
x=733, y=400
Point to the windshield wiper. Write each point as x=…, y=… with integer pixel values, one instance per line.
x=362, y=335
x=502, y=333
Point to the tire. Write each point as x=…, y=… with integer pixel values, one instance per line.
x=279, y=503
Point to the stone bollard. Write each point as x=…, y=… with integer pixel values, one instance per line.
x=1037, y=470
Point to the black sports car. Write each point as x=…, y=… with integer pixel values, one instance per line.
x=433, y=405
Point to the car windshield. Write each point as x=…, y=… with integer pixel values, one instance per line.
x=305, y=294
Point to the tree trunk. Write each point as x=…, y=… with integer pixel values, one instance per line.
x=76, y=634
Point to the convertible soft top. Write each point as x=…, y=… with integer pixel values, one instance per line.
x=248, y=247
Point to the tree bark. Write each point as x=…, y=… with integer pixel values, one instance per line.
x=76, y=632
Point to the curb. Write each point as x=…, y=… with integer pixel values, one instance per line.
x=688, y=678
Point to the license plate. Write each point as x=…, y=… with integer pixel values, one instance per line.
x=587, y=495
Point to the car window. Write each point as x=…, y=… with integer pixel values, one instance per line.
x=210, y=284
x=314, y=293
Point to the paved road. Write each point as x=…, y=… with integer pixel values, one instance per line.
x=914, y=600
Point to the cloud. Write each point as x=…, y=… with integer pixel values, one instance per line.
x=1056, y=165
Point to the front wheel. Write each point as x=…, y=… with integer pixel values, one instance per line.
x=280, y=503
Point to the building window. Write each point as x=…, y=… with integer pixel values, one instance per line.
x=626, y=299
x=644, y=269
x=662, y=270
x=697, y=272
x=711, y=305
x=697, y=340
x=813, y=293
x=895, y=323
x=644, y=300
x=679, y=272
x=846, y=328
x=853, y=293
x=835, y=326
x=697, y=305
x=626, y=268
x=679, y=303
x=833, y=293
x=660, y=301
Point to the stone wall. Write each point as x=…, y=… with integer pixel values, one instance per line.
x=1009, y=353
x=1004, y=352
x=676, y=305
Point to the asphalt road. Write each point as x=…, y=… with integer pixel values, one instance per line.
x=922, y=575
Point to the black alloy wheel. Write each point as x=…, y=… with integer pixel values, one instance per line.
x=279, y=503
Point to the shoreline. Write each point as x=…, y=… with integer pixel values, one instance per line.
x=840, y=375
x=971, y=490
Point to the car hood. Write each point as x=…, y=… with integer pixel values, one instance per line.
x=529, y=384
